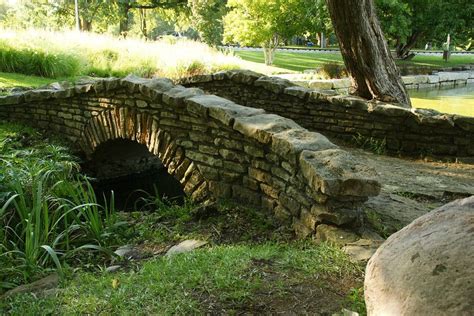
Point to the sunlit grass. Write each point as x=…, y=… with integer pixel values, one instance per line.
x=303, y=61
x=104, y=55
x=8, y=80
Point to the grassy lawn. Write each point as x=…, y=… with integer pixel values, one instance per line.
x=302, y=61
x=9, y=80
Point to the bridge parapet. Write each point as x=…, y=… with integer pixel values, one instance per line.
x=410, y=132
x=216, y=148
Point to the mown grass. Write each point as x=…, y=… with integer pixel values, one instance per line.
x=303, y=61
x=9, y=80
x=220, y=279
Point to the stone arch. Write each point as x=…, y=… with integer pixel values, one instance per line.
x=143, y=127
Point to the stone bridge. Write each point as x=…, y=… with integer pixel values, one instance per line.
x=217, y=149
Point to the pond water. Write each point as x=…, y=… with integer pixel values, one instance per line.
x=458, y=100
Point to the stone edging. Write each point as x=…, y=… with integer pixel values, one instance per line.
x=414, y=82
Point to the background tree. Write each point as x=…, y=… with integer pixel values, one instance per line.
x=366, y=55
x=411, y=22
x=206, y=18
x=265, y=23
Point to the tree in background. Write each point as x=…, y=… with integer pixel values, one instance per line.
x=206, y=18
x=366, y=55
x=407, y=22
x=265, y=23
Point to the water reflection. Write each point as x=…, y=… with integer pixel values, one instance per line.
x=458, y=100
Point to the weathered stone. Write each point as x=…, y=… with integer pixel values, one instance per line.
x=37, y=287
x=299, y=92
x=335, y=172
x=290, y=143
x=338, y=216
x=321, y=84
x=362, y=249
x=219, y=108
x=185, y=246
x=263, y=127
x=426, y=268
x=335, y=235
x=243, y=76
x=273, y=84
x=341, y=83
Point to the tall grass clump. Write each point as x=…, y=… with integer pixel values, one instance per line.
x=37, y=61
x=104, y=55
x=47, y=212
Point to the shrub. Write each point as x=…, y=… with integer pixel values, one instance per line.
x=332, y=71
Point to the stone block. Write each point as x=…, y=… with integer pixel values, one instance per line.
x=273, y=84
x=263, y=127
x=335, y=172
x=299, y=92
x=290, y=143
x=219, y=108
x=335, y=235
x=321, y=84
x=341, y=83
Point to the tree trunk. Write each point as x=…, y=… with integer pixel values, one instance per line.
x=124, y=9
x=373, y=72
x=269, y=49
x=86, y=25
x=403, y=49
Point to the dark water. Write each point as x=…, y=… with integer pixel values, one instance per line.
x=136, y=191
x=134, y=175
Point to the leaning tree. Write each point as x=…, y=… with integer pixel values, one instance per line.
x=368, y=60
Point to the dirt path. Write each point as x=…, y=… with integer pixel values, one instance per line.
x=411, y=188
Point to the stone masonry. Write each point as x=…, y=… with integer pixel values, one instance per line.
x=216, y=148
x=410, y=132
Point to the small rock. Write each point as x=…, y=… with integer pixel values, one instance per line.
x=113, y=269
x=335, y=235
x=124, y=251
x=42, y=287
x=186, y=246
x=362, y=249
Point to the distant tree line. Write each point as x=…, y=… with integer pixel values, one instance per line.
x=407, y=24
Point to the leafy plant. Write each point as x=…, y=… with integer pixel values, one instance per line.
x=377, y=146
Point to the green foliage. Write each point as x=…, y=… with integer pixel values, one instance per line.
x=37, y=61
x=332, y=71
x=69, y=54
x=266, y=23
x=377, y=146
x=419, y=21
x=46, y=214
x=207, y=19
x=228, y=274
x=357, y=301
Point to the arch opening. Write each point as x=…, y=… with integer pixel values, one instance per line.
x=134, y=174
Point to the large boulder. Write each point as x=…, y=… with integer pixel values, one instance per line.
x=427, y=268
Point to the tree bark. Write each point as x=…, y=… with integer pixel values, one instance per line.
x=373, y=72
x=403, y=49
